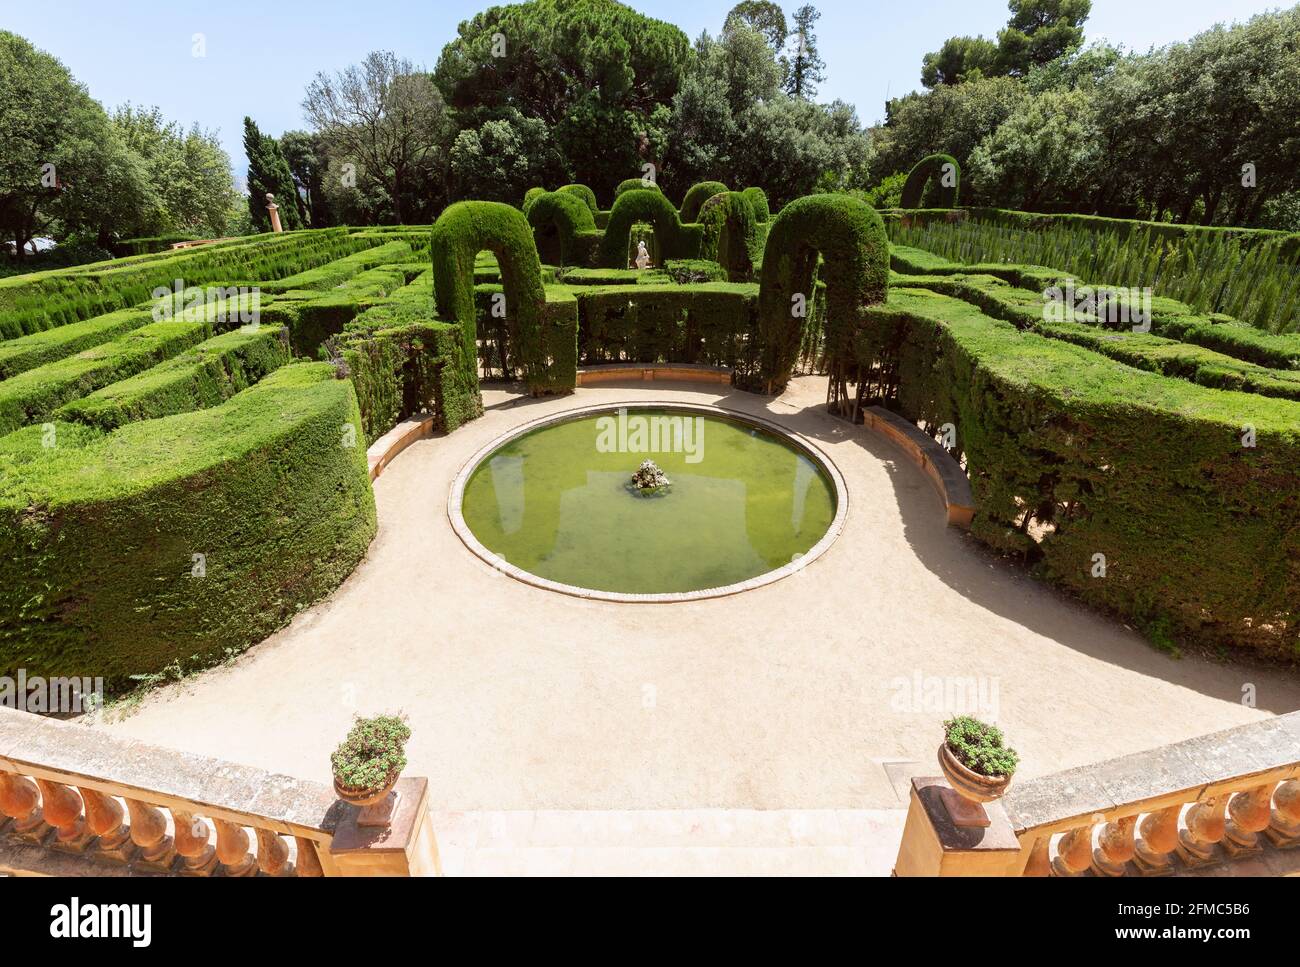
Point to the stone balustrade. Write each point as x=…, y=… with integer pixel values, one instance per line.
x=1228, y=802
x=74, y=800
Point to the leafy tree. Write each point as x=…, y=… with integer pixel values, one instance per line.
x=503, y=158
x=268, y=174
x=386, y=118
x=765, y=17
x=804, y=67
x=305, y=154
x=960, y=59
x=595, y=71
x=1039, y=32
x=63, y=168
x=188, y=173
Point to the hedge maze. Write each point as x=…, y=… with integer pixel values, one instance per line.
x=183, y=468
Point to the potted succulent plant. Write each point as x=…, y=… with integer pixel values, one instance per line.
x=978, y=765
x=368, y=763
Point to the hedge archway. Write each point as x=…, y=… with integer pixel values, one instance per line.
x=730, y=234
x=562, y=220
x=586, y=194
x=850, y=237
x=676, y=241
x=633, y=184
x=947, y=182
x=697, y=196
x=758, y=201
x=460, y=233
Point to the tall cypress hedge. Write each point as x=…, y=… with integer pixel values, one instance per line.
x=924, y=187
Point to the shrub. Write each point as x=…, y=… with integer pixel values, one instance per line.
x=980, y=747
x=373, y=754
x=565, y=217
x=634, y=184
x=696, y=196
x=539, y=326
x=924, y=187
x=758, y=202
x=676, y=240
x=730, y=234
x=850, y=237
x=586, y=194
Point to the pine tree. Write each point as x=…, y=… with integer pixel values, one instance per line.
x=268, y=173
x=804, y=68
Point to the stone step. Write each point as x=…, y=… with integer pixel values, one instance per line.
x=687, y=842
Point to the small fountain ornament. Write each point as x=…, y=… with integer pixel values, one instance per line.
x=650, y=480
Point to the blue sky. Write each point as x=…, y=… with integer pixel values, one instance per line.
x=261, y=55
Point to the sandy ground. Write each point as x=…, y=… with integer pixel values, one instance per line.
x=820, y=691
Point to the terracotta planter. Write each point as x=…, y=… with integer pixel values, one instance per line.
x=968, y=783
x=364, y=797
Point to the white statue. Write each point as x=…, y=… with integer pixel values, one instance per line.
x=642, y=256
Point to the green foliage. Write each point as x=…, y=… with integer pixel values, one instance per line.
x=763, y=16
x=544, y=341
x=676, y=240
x=960, y=59
x=980, y=747
x=932, y=183
x=731, y=235
x=1040, y=31
x=497, y=160
x=586, y=194
x=850, y=238
x=634, y=184
x=268, y=174
x=594, y=71
x=261, y=486
x=697, y=196
x=373, y=754
x=804, y=68
x=758, y=202
x=563, y=228
x=333, y=274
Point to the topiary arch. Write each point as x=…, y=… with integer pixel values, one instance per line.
x=564, y=229
x=758, y=201
x=676, y=241
x=460, y=233
x=697, y=196
x=850, y=237
x=586, y=194
x=632, y=184
x=941, y=195
x=730, y=234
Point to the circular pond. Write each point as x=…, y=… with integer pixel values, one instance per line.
x=737, y=502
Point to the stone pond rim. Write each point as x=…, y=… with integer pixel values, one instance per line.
x=797, y=442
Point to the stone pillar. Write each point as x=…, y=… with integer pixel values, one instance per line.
x=274, y=209
x=406, y=847
x=933, y=845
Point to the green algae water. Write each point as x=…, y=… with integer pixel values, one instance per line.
x=558, y=502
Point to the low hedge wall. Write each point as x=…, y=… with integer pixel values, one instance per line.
x=206, y=375
x=98, y=573
x=340, y=270
x=1200, y=534
x=34, y=395
x=48, y=346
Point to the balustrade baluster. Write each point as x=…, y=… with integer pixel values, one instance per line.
x=1115, y=847
x=20, y=801
x=308, y=861
x=1203, y=831
x=232, y=850
x=1248, y=816
x=1284, y=827
x=1157, y=839
x=192, y=843
x=272, y=854
x=149, y=832
x=1074, y=852
x=104, y=817
x=63, y=810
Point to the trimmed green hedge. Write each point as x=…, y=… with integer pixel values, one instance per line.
x=925, y=185
x=205, y=375
x=850, y=237
x=98, y=535
x=44, y=300
x=730, y=235
x=696, y=196
x=563, y=228
x=28, y=352
x=1072, y=455
x=758, y=201
x=540, y=335
x=586, y=194
x=341, y=270
x=676, y=240
x=634, y=184
x=34, y=395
